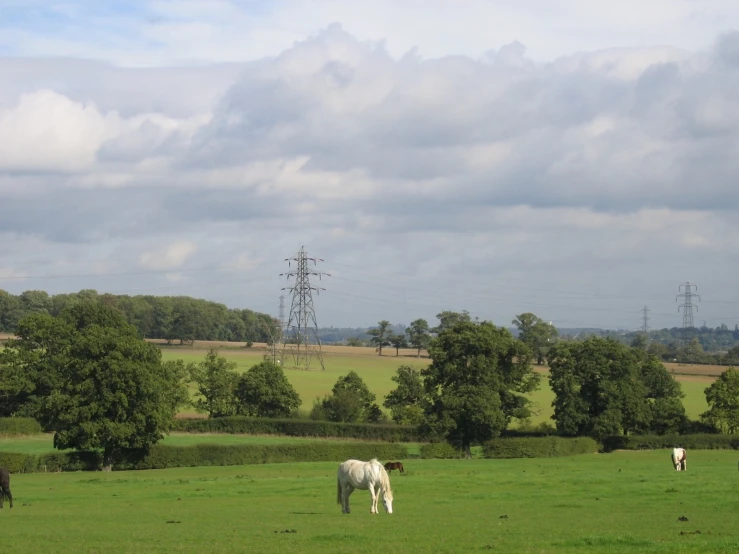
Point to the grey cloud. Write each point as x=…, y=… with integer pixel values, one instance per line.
x=418, y=167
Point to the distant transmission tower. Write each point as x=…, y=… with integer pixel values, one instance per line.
x=645, y=320
x=301, y=324
x=687, y=307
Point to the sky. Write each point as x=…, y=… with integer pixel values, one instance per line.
x=570, y=158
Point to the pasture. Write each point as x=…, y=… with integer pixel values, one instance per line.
x=620, y=502
x=377, y=372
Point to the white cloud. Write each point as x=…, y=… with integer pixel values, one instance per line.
x=457, y=182
x=171, y=256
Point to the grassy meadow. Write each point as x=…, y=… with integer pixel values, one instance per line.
x=377, y=372
x=620, y=502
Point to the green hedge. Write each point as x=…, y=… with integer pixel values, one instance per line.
x=702, y=441
x=160, y=456
x=19, y=426
x=538, y=447
x=440, y=451
x=298, y=428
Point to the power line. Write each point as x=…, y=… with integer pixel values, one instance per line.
x=301, y=323
x=645, y=320
x=687, y=307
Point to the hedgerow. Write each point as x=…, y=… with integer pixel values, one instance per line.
x=538, y=447
x=298, y=428
x=19, y=426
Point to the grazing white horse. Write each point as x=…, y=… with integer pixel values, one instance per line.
x=679, y=459
x=355, y=474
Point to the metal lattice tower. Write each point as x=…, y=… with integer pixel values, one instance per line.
x=301, y=329
x=645, y=320
x=687, y=307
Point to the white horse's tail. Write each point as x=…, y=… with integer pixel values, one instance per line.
x=338, y=489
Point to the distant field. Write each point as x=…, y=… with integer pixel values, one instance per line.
x=377, y=372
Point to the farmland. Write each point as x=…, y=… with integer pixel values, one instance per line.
x=377, y=372
x=620, y=502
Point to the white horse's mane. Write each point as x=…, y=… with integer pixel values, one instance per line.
x=384, y=479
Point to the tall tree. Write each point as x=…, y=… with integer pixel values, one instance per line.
x=215, y=378
x=264, y=391
x=536, y=333
x=448, y=319
x=418, y=335
x=603, y=387
x=94, y=382
x=476, y=383
x=722, y=397
x=350, y=401
x=380, y=335
x=405, y=400
x=398, y=341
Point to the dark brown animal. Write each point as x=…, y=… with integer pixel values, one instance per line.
x=5, y=487
x=394, y=465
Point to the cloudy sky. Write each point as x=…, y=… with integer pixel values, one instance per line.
x=575, y=159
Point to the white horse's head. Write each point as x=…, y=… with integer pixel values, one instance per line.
x=387, y=501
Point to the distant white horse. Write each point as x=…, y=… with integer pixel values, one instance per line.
x=680, y=459
x=355, y=474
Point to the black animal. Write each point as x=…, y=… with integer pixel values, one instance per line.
x=5, y=487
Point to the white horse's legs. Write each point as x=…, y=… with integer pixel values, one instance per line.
x=374, y=493
x=346, y=491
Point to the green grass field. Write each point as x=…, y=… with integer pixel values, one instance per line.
x=377, y=373
x=620, y=502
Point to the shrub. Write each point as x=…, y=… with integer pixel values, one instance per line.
x=14, y=463
x=298, y=428
x=19, y=426
x=699, y=441
x=440, y=451
x=538, y=447
x=160, y=456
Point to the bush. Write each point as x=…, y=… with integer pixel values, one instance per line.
x=538, y=447
x=14, y=463
x=440, y=451
x=298, y=428
x=699, y=441
x=160, y=456
x=19, y=426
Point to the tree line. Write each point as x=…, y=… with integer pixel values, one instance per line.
x=87, y=375
x=173, y=318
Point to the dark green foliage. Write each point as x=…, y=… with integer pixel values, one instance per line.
x=440, y=451
x=215, y=378
x=350, y=401
x=264, y=391
x=298, y=428
x=175, y=318
x=405, y=400
x=476, y=383
x=537, y=334
x=603, y=387
x=10, y=426
x=13, y=462
x=539, y=447
x=703, y=441
x=161, y=457
x=87, y=376
x=418, y=335
x=380, y=335
x=722, y=397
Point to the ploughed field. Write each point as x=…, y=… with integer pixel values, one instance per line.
x=377, y=372
x=620, y=502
